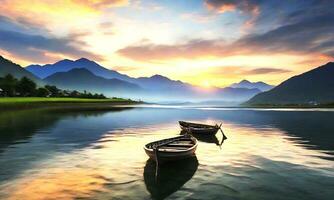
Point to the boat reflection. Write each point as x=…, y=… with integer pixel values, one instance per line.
x=213, y=139
x=168, y=178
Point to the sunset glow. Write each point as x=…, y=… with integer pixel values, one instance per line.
x=193, y=41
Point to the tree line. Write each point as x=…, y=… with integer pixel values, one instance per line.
x=25, y=87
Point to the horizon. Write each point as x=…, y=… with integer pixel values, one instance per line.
x=210, y=43
x=203, y=86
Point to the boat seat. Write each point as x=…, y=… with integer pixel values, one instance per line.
x=172, y=148
x=180, y=145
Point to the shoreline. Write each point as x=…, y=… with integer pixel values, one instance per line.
x=62, y=103
x=15, y=103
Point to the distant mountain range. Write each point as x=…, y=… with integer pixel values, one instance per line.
x=313, y=87
x=154, y=88
x=252, y=85
x=43, y=71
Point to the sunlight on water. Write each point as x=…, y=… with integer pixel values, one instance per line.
x=254, y=162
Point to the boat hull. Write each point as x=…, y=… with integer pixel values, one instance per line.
x=176, y=148
x=171, y=156
x=198, y=128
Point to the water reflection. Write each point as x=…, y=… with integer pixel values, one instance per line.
x=169, y=177
x=99, y=155
x=213, y=139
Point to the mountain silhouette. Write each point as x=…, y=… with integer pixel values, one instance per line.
x=312, y=87
x=252, y=85
x=67, y=65
x=8, y=67
x=156, y=87
x=83, y=79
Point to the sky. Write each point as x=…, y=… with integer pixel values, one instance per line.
x=203, y=42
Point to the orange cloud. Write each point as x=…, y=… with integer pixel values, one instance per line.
x=222, y=8
x=102, y=3
x=192, y=49
x=60, y=13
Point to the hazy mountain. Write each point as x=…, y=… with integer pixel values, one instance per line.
x=83, y=79
x=154, y=88
x=252, y=85
x=67, y=65
x=315, y=86
x=149, y=83
x=8, y=67
x=160, y=82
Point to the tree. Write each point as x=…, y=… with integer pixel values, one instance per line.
x=42, y=92
x=8, y=85
x=53, y=90
x=75, y=94
x=26, y=87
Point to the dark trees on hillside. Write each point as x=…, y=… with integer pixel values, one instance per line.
x=25, y=87
x=42, y=92
x=8, y=85
x=54, y=91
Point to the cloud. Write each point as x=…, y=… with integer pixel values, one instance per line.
x=222, y=6
x=18, y=41
x=266, y=71
x=191, y=49
x=303, y=33
x=311, y=35
x=102, y=3
x=57, y=13
x=238, y=71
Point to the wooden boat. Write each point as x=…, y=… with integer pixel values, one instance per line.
x=207, y=138
x=170, y=149
x=199, y=128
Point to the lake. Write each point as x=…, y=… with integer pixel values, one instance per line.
x=269, y=154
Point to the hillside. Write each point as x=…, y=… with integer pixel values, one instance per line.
x=44, y=71
x=313, y=87
x=8, y=67
x=82, y=79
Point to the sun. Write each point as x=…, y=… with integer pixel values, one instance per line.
x=206, y=84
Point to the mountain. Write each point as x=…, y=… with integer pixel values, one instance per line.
x=154, y=88
x=252, y=85
x=158, y=82
x=8, y=67
x=314, y=86
x=149, y=83
x=83, y=79
x=67, y=65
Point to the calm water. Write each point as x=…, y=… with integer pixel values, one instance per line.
x=269, y=154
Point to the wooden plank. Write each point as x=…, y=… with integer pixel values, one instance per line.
x=176, y=148
x=183, y=141
x=180, y=145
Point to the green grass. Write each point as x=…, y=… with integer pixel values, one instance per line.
x=8, y=103
x=57, y=100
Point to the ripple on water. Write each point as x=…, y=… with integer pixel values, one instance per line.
x=105, y=162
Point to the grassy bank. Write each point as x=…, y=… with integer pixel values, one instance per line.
x=9, y=103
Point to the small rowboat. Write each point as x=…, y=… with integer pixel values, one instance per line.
x=199, y=128
x=170, y=149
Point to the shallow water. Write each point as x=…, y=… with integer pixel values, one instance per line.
x=269, y=154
